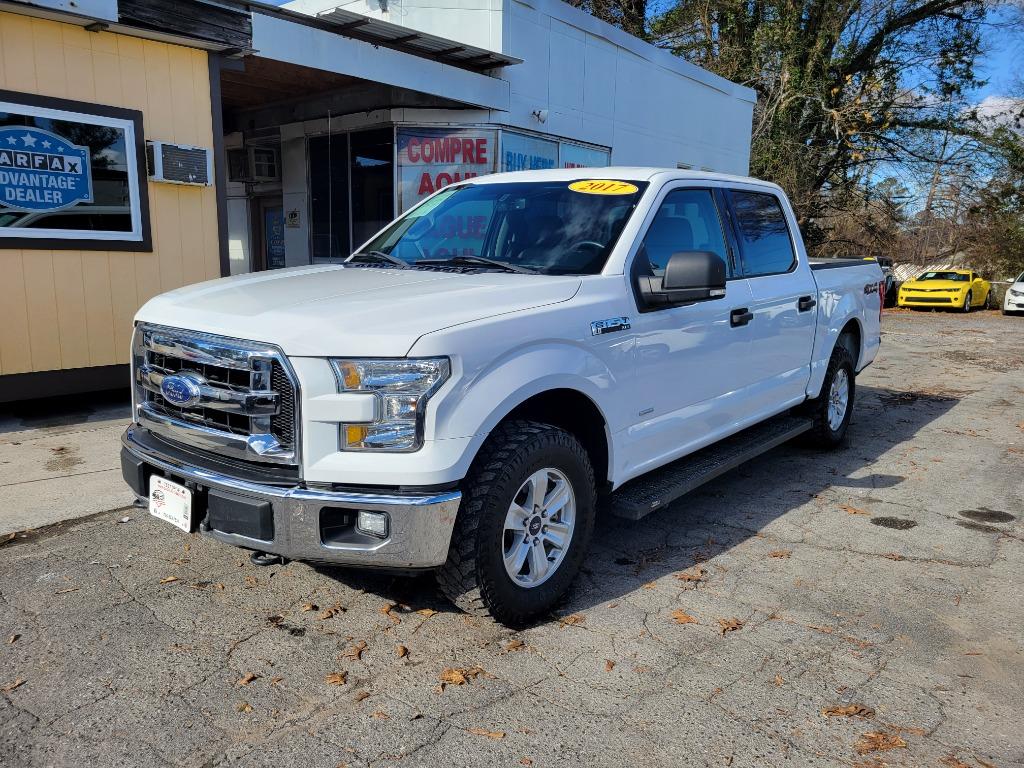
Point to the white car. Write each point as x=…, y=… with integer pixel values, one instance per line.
x=460, y=392
x=1013, y=301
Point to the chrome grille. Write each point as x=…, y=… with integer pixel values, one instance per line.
x=227, y=396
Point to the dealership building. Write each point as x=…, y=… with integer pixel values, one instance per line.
x=146, y=145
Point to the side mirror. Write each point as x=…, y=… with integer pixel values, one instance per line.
x=690, y=276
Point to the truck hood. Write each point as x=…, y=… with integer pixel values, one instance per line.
x=338, y=310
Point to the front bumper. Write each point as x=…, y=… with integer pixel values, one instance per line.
x=1013, y=303
x=302, y=523
x=919, y=300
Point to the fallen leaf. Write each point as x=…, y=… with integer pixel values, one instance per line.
x=248, y=678
x=355, y=651
x=378, y=715
x=243, y=706
x=276, y=619
x=650, y=585
x=853, y=510
x=168, y=579
x=496, y=735
x=729, y=625
x=781, y=554
x=276, y=680
x=679, y=616
x=850, y=710
x=68, y=589
x=386, y=610
x=428, y=612
x=952, y=761
x=879, y=741
x=609, y=665
x=694, y=574
x=525, y=761
x=251, y=581
x=892, y=555
x=401, y=651
x=778, y=680
x=336, y=678
x=360, y=695
x=456, y=676
x=514, y=645
x=330, y=613
x=17, y=683
x=13, y=639
x=572, y=620
x=309, y=607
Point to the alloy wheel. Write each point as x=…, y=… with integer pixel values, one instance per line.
x=539, y=527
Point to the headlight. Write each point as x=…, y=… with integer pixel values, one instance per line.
x=402, y=388
x=1016, y=293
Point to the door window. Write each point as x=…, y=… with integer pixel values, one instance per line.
x=765, y=245
x=686, y=221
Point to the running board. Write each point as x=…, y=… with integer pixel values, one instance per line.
x=660, y=487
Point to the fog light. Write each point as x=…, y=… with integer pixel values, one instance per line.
x=373, y=523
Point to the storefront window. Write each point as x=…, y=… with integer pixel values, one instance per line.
x=373, y=182
x=578, y=156
x=329, y=197
x=70, y=177
x=432, y=158
x=520, y=152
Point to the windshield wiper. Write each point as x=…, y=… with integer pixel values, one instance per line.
x=380, y=256
x=482, y=260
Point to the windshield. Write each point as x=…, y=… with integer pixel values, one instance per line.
x=552, y=227
x=959, y=277
x=1020, y=278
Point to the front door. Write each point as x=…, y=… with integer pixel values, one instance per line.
x=690, y=360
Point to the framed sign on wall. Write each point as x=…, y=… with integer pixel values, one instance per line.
x=72, y=175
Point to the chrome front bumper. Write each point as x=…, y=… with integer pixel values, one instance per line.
x=420, y=524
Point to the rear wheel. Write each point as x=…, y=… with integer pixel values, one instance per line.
x=524, y=525
x=967, y=302
x=988, y=301
x=832, y=409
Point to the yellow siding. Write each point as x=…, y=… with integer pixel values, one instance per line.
x=70, y=309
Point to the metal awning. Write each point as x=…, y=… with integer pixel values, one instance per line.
x=410, y=41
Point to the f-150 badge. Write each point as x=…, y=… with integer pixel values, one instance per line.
x=611, y=325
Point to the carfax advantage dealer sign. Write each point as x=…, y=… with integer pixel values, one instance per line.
x=40, y=171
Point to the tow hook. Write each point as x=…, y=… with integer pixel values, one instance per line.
x=265, y=558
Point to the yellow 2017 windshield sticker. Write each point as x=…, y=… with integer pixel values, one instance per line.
x=603, y=187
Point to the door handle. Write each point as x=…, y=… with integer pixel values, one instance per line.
x=806, y=303
x=740, y=317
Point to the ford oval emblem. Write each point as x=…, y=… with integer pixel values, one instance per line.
x=181, y=391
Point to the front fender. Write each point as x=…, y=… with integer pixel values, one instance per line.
x=486, y=392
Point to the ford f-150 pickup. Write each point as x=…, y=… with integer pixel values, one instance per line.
x=464, y=389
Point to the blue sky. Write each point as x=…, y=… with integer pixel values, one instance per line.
x=1003, y=61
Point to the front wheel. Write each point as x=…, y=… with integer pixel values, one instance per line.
x=524, y=526
x=967, y=302
x=988, y=301
x=831, y=411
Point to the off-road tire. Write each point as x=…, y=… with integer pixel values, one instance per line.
x=821, y=435
x=474, y=577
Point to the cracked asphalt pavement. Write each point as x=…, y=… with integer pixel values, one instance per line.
x=859, y=608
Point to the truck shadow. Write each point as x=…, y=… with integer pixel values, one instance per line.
x=721, y=515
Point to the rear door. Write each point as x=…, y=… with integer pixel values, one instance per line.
x=783, y=298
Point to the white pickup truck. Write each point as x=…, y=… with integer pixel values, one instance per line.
x=460, y=393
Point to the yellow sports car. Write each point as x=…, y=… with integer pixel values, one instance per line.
x=959, y=289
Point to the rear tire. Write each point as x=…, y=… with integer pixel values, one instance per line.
x=520, y=458
x=967, y=303
x=832, y=409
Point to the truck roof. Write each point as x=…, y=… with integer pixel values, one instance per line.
x=620, y=172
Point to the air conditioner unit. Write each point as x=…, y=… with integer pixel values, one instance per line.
x=179, y=163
